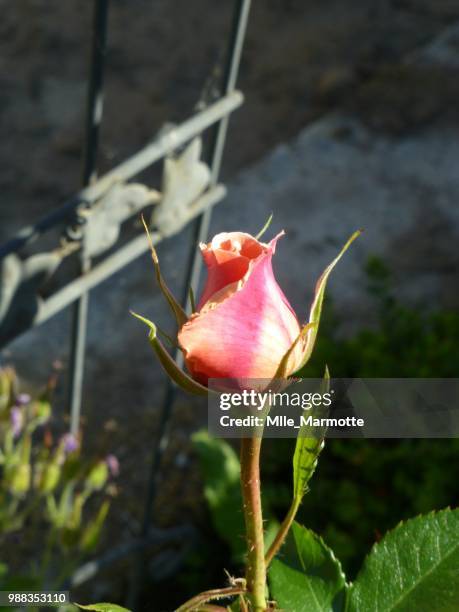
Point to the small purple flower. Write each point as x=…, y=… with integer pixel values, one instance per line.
x=113, y=465
x=23, y=399
x=17, y=420
x=70, y=443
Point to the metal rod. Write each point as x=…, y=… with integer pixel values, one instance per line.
x=241, y=16
x=129, y=168
x=93, y=120
x=95, y=91
x=241, y=13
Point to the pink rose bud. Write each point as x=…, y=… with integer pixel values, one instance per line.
x=243, y=328
x=244, y=324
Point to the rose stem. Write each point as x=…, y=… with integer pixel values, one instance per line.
x=283, y=531
x=198, y=601
x=251, y=497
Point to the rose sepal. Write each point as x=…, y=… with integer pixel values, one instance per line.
x=179, y=314
x=316, y=306
x=283, y=369
x=171, y=368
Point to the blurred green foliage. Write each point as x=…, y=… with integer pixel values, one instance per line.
x=57, y=499
x=222, y=490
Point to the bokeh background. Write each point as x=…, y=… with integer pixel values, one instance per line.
x=350, y=120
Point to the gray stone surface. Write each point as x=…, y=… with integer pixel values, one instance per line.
x=442, y=51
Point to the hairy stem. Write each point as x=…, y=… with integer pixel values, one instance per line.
x=251, y=496
x=283, y=531
x=198, y=601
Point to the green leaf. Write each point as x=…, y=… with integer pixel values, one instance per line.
x=171, y=368
x=316, y=307
x=7, y=384
x=222, y=490
x=307, y=449
x=91, y=534
x=104, y=607
x=307, y=577
x=415, y=567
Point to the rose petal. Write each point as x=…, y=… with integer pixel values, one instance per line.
x=227, y=258
x=246, y=334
